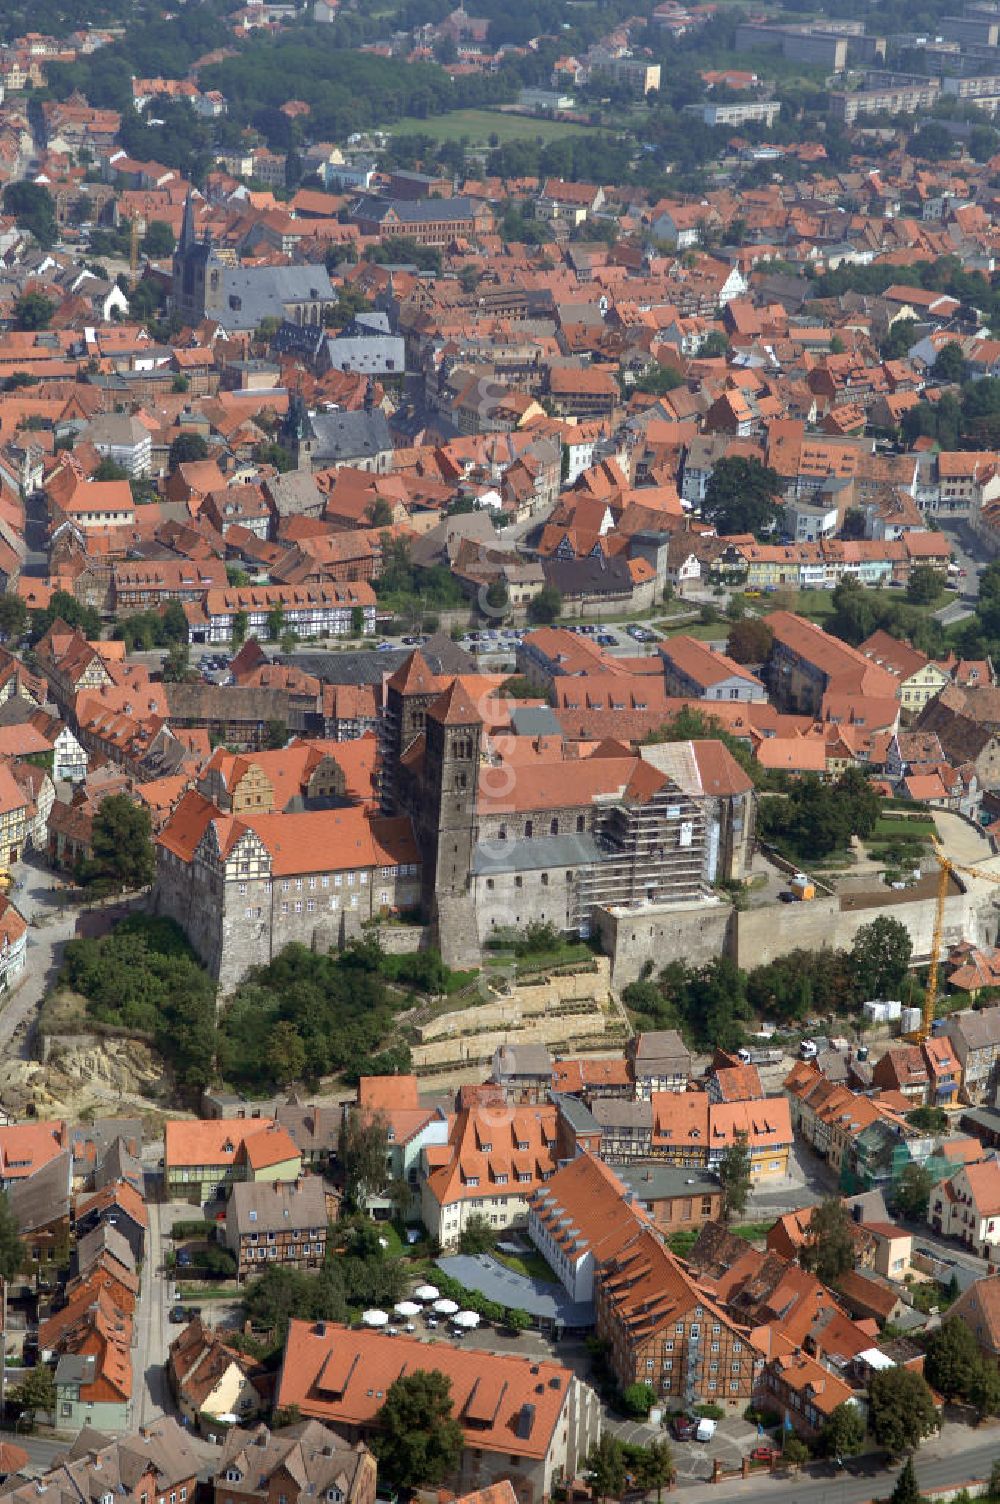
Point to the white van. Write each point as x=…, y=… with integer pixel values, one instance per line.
x=808, y=1050
x=706, y=1429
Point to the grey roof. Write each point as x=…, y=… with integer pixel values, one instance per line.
x=372, y=321
x=616, y=1112
x=350, y=436
x=269, y=1206
x=535, y=720
x=74, y=1369
x=119, y=429
x=524, y=1060
x=542, y=1299
x=103, y=1238
x=658, y=1049
x=579, y=1117
x=295, y=493
x=658, y=1182
x=315, y=1457
x=975, y=1030
x=367, y=666
x=43, y=1197
x=589, y=576
x=416, y=211
x=263, y=291
x=494, y=857
x=371, y=354
x=228, y=704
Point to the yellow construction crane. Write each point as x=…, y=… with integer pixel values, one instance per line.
x=947, y=867
x=133, y=252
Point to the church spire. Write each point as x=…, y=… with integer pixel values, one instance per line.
x=187, y=240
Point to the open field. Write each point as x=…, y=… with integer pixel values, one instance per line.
x=479, y=125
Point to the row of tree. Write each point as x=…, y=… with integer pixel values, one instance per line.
x=712, y=1005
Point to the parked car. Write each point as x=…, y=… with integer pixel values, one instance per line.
x=706, y=1429
x=184, y=1259
x=763, y=1454
x=684, y=1427
x=177, y=1315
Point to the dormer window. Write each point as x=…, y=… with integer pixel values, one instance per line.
x=233, y=1475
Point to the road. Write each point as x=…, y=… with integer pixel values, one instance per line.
x=152, y=1331
x=968, y=553
x=51, y=926
x=958, y=1456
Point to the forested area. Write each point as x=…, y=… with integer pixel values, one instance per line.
x=304, y=1016
x=712, y=1005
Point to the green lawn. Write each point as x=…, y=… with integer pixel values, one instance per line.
x=716, y=631
x=531, y=1264
x=479, y=125
x=753, y=1232
x=912, y=828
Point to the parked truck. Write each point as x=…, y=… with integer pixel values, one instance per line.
x=761, y=1057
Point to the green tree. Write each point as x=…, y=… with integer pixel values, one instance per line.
x=928, y=1119
x=36, y=1393
x=828, y=1251
x=949, y=364
x=880, y=957
x=658, y=379
x=843, y=1434
x=477, y=1236
x=750, y=640
x=794, y=1450
x=109, y=469
x=13, y=617
x=605, y=1469
x=286, y=1053
x=906, y=1489
x=924, y=585
x=733, y=1171
x=11, y=1246
x=275, y=621
x=516, y=1320
x=637, y=1399
x=545, y=607
x=122, y=843
x=241, y=623
x=901, y=1410
x=912, y=1191
x=186, y=449
x=33, y=310
x=364, y=1155
x=952, y=1359
x=158, y=241
x=984, y=1391
x=177, y=663
x=175, y=623
x=34, y=209
x=276, y=735
x=742, y=497
x=498, y=597
x=418, y=1442
x=656, y=1467
x=380, y=513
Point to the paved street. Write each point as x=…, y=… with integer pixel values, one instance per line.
x=153, y=1332
x=958, y=1456
x=51, y=925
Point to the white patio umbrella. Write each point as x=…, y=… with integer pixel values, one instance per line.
x=375, y=1318
x=406, y=1308
x=446, y=1307
x=468, y=1319
x=426, y=1292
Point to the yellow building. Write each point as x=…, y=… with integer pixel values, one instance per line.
x=920, y=679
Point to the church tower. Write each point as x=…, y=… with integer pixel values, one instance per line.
x=451, y=776
x=297, y=434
